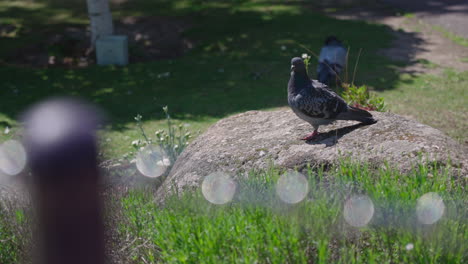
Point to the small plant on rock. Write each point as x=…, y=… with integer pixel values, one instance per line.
x=306, y=59
x=359, y=96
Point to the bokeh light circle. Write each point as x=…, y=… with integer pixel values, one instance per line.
x=12, y=157
x=292, y=187
x=358, y=210
x=152, y=161
x=218, y=188
x=430, y=208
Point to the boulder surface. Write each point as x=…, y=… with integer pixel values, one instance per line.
x=259, y=139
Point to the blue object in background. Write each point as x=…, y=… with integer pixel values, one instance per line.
x=332, y=60
x=112, y=50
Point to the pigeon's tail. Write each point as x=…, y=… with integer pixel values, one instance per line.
x=357, y=114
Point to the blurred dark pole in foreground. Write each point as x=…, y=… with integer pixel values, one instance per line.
x=61, y=144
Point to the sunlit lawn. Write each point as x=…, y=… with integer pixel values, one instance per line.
x=352, y=213
x=240, y=63
x=259, y=227
x=439, y=101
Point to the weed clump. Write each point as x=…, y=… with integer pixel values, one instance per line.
x=359, y=96
x=172, y=141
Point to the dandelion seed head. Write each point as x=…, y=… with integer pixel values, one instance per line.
x=409, y=246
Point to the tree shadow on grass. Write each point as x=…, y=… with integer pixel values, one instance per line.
x=240, y=63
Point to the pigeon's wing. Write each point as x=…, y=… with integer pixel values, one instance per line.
x=318, y=85
x=320, y=102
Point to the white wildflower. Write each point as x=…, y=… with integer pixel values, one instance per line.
x=136, y=143
x=409, y=247
x=305, y=56
x=7, y=131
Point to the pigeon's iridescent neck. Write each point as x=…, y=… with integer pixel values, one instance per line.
x=298, y=81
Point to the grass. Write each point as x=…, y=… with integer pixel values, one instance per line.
x=238, y=65
x=14, y=230
x=440, y=101
x=257, y=227
x=452, y=36
x=407, y=15
x=8, y=250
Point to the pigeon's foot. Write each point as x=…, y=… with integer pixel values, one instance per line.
x=311, y=136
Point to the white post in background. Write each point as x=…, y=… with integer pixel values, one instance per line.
x=100, y=18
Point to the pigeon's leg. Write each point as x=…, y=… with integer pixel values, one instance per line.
x=311, y=136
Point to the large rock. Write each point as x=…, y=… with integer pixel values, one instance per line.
x=257, y=139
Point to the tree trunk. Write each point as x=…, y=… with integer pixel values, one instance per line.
x=100, y=18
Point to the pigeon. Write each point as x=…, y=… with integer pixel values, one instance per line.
x=316, y=104
x=332, y=60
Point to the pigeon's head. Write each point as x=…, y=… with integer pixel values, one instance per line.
x=297, y=65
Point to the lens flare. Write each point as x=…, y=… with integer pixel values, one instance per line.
x=12, y=157
x=218, y=188
x=152, y=161
x=292, y=187
x=430, y=208
x=358, y=210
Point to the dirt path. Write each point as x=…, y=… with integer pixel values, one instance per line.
x=449, y=14
x=415, y=42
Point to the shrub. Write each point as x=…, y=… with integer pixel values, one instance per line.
x=361, y=97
